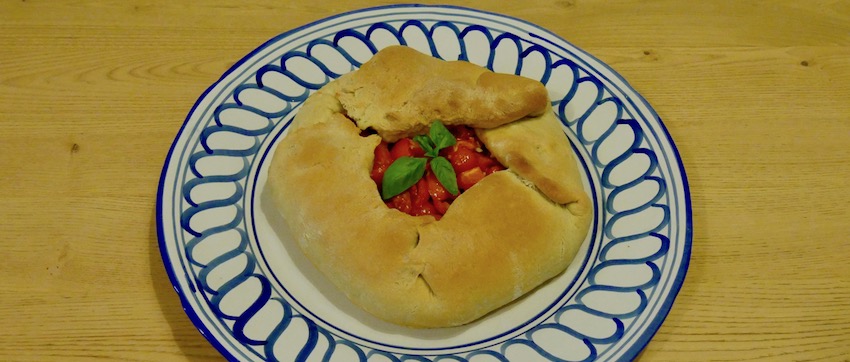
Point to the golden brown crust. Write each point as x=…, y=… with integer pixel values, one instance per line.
x=536, y=149
x=498, y=240
x=400, y=91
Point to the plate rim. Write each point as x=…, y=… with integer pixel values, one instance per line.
x=632, y=351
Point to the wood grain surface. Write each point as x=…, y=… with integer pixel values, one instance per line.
x=756, y=95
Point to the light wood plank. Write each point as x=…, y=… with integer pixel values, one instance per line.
x=756, y=95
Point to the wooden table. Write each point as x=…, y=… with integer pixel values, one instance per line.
x=756, y=96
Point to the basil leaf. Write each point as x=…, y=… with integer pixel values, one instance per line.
x=426, y=145
x=445, y=174
x=402, y=173
x=441, y=136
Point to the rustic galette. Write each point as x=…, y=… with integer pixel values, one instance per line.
x=431, y=193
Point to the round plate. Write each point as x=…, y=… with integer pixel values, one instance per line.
x=247, y=288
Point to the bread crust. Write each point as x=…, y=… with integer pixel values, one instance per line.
x=503, y=237
x=400, y=91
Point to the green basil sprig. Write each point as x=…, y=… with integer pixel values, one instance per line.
x=406, y=171
x=426, y=144
x=441, y=137
x=402, y=173
x=445, y=174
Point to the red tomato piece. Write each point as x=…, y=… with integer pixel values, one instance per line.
x=419, y=191
x=462, y=158
x=406, y=147
x=441, y=207
x=383, y=159
x=462, y=132
x=421, y=200
x=465, y=137
x=416, y=149
x=401, y=202
x=435, y=188
x=423, y=208
x=470, y=177
x=489, y=164
x=401, y=149
x=486, y=161
x=494, y=168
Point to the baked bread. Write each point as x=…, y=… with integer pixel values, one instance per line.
x=503, y=237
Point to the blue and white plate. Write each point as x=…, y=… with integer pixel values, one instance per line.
x=245, y=285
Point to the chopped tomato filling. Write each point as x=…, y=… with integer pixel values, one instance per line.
x=469, y=158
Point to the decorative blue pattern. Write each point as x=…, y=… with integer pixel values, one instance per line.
x=637, y=181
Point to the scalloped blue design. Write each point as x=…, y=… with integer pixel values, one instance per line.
x=208, y=240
